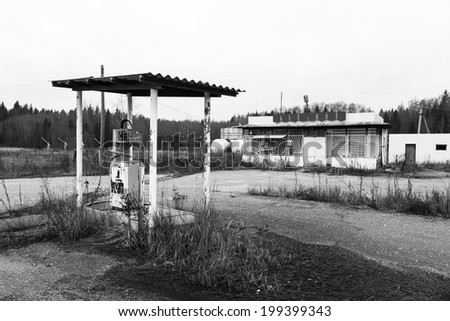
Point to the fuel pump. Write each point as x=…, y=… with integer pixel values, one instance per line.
x=126, y=172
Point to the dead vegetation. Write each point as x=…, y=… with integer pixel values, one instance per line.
x=391, y=197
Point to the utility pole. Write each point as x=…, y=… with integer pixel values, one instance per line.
x=420, y=121
x=421, y=115
x=281, y=102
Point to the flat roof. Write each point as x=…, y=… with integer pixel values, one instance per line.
x=140, y=85
x=309, y=124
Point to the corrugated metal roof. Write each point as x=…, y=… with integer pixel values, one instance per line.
x=140, y=85
x=327, y=124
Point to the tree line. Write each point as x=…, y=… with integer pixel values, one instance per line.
x=316, y=107
x=405, y=119
x=25, y=126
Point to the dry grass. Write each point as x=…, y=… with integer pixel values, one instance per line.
x=433, y=203
x=206, y=252
x=44, y=163
x=57, y=212
x=214, y=256
x=65, y=220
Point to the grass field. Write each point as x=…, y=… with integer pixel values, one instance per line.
x=20, y=162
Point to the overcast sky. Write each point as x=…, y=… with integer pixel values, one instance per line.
x=376, y=53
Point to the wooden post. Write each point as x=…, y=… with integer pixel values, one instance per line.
x=207, y=153
x=79, y=150
x=130, y=118
x=153, y=154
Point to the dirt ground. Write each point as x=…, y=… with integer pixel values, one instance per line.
x=337, y=252
x=89, y=269
x=92, y=270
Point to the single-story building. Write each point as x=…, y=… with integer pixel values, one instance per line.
x=419, y=148
x=335, y=139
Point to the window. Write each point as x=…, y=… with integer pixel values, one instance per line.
x=441, y=146
x=279, y=131
x=311, y=132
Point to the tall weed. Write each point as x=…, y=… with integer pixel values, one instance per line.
x=65, y=220
x=406, y=200
x=208, y=253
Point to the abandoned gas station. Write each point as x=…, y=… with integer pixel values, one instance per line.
x=127, y=173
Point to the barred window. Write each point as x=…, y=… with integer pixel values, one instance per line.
x=337, y=145
x=353, y=145
x=357, y=145
x=297, y=143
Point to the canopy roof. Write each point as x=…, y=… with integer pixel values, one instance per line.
x=140, y=85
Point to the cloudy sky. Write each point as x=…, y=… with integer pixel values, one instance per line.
x=376, y=53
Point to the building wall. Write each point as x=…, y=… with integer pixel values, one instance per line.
x=354, y=162
x=314, y=151
x=364, y=117
x=425, y=147
x=296, y=161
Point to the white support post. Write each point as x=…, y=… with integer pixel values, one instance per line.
x=130, y=118
x=102, y=121
x=347, y=143
x=130, y=109
x=152, y=209
x=367, y=151
x=79, y=149
x=207, y=153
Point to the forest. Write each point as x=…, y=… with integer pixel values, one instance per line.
x=405, y=119
x=26, y=126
